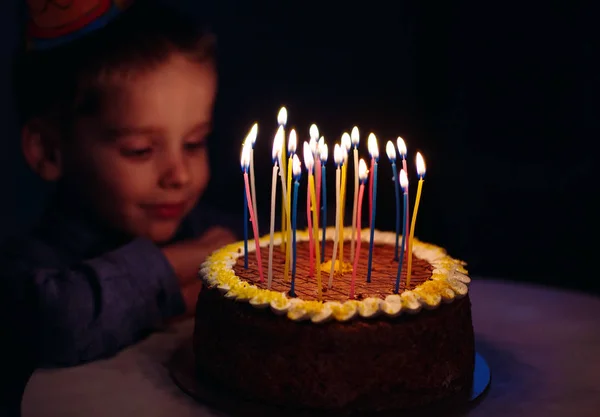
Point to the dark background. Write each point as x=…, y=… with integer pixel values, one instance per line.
x=499, y=97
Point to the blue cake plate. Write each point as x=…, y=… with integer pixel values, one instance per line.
x=204, y=391
x=482, y=376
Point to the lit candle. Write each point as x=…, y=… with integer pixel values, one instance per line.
x=421, y=174
x=276, y=157
x=391, y=153
x=323, y=151
x=291, y=151
x=363, y=175
x=252, y=137
x=282, y=121
x=338, y=158
x=245, y=226
x=245, y=162
x=345, y=146
x=404, y=185
x=297, y=172
x=280, y=138
x=314, y=147
x=354, y=137
x=374, y=151
x=402, y=151
x=309, y=162
x=311, y=246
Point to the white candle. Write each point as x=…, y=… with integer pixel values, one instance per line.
x=355, y=138
x=279, y=136
x=282, y=121
x=338, y=158
x=276, y=155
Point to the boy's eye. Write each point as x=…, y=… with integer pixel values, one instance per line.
x=136, y=153
x=196, y=145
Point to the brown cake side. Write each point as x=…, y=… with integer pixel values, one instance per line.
x=365, y=364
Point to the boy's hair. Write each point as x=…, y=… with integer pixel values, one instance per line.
x=67, y=82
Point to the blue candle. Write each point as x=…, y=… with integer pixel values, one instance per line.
x=404, y=181
x=294, y=216
x=371, y=241
x=324, y=209
x=245, y=231
x=390, y=149
x=297, y=174
x=374, y=152
x=396, y=186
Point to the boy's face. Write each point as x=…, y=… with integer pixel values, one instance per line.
x=143, y=161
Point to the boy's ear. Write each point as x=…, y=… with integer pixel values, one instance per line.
x=40, y=145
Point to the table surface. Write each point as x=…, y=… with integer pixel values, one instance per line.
x=542, y=345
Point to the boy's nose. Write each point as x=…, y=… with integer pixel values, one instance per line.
x=177, y=174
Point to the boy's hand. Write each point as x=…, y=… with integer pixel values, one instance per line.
x=186, y=257
x=215, y=238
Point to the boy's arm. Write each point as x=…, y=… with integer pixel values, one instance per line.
x=92, y=309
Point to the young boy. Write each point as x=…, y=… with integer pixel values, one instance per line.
x=118, y=118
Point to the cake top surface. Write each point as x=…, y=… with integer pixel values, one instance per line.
x=436, y=278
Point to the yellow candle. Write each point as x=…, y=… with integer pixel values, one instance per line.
x=309, y=163
x=345, y=145
x=421, y=173
x=338, y=158
x=288, y=253
x=282, y=121
x=354, y=136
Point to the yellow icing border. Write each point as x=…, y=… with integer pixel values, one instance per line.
x=449, y=281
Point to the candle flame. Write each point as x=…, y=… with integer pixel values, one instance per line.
x=403, y=180
x=245, y=159
x=314, y=147
x=277, y=144
x=401, y=147
x=420, y=165
x=372, y=146
x=323, y=151
x=282, y=117
x=309, y=159
x=344, y=154
x=292, y=142
x=338, y=156
x=363, y=172
x=390, y=150
x=251, y=137
x=355, y=137
x=346, y=141
x=296, y=167
x=314, y=132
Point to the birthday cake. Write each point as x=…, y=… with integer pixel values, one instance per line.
x=380, y=350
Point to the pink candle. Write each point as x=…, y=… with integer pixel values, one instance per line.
x=371, y=190
x=402, y=151
x=362, y=168
x=314, y=148
x=310, y=234
x=254, y=227
x=245, y=162
x=318, y=186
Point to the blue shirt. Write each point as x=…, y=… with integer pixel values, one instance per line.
x=80, y=292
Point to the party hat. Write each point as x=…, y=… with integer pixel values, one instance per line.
x=51, y=23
